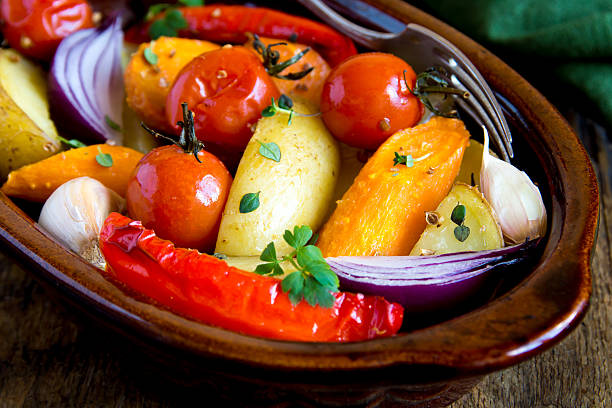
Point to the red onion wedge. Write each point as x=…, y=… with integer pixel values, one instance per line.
x=86, y=84
x=425, y=283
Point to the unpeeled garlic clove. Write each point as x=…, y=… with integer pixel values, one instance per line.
x=517, y=202
x=74, y=215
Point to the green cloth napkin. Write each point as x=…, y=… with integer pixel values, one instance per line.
x=560, y=45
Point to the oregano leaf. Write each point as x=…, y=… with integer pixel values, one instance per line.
x=270, y=151
x=249, y=202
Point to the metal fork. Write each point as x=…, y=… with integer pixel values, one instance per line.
x=422, y=49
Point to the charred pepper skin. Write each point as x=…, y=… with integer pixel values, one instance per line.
x=205, y=288
x=230, y=24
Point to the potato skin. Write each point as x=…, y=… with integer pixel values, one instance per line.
x=147, y=86
x=27, y=134
x=295, y=191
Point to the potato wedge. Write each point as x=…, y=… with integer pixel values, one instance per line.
x=439, y=237
x=472, y=161
x=27, y=133
x=295, y=191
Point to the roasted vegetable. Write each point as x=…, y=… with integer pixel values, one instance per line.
x=295, y=190
x=27, y=134
x=205, y=288
x=110, y=165
x=151, y=72
x=446, y=234
x=307, y=88
x=382, y=213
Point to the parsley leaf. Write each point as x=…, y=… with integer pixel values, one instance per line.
x=104, y=159
x=249, y=202
x=270, y=151
x=313, y=281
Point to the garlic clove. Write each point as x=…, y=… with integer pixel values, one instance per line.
x=74, y=215
x=517, y=202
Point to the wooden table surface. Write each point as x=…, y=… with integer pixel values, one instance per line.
x=49, y=356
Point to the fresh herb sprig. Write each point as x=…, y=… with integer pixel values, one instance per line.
x=313, y=280
x=407, y=159
x=432, y=81
x=73, y=143
x=172, y=21
x=462, y=232
x=104, y=159
x=284, y=105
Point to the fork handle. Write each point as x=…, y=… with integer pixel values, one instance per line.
x=363, y=36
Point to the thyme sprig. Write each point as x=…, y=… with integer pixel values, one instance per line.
x=313, y=280
x=432, y=81
x=271, y=60
x=187, y=139
x=284, y=105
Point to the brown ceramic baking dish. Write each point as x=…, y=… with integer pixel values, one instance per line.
x=430, y=366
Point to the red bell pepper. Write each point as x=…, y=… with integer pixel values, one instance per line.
x=223, y=24
x=205, y=288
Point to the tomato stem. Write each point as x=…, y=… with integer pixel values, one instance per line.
x=271, y=60
x=187, y=139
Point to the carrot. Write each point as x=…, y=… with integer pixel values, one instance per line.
x=308, y=88
x=37, y=181
x=148, y=78
x=383, y=212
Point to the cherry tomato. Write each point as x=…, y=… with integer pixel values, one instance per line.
x=227, y=89
x=36, y=27
x=178, y=197
x=365, y=99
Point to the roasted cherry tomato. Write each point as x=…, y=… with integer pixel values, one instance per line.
x=227, y=89
x=178, y=197
x=36, y=27
x=366, y=99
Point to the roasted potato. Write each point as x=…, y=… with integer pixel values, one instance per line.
x=27, y=134
x=472, y=161
x=439, y=235
x=297, y=190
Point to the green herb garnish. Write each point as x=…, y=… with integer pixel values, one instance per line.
x=104, y=159
x=168, y=25
x=249, y=202
x=219, y=255
x=270, y=151
x=150, y=56
x=285, y=105
x=403, y=159
x=462, y=232
x=314, y=280
x=72, y=142
x=111, y=123
x=191, y=3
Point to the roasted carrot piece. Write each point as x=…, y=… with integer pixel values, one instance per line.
x=308, y=88
x=37, y=181
x=148, y=80
x=383, y=212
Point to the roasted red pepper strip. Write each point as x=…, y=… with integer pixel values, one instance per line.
x=223, y=24
x=205, y=288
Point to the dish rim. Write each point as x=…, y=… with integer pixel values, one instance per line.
x=457, y=343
